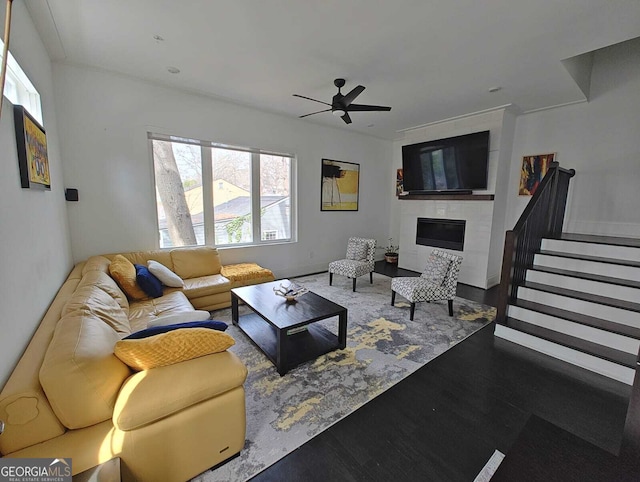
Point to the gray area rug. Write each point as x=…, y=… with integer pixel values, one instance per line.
x=383, y=347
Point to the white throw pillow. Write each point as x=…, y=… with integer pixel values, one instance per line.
x=183, y=317
x=165, y=275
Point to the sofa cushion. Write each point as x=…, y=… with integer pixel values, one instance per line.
x=174, y=346
x=142, y=312
x=206, y=285
x=91, y=299
x=198, y=315
x=148, y=282
x=80, y=374
x=164, y=274
x=124, y=272
x=107, y=284
x=142, y=257
x=195, y=261
x=144, y=397
x=96, y=263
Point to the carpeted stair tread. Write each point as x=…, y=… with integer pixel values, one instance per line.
x=580, y=318
x=587, y=257
x=579, y=295
x=590, y=348
x=588, y=276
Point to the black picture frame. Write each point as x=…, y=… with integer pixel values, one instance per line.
x=31, y=141
x=339, y=186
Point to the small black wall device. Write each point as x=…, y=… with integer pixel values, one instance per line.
x=71, y=194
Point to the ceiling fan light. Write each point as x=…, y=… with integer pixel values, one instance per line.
x=338, y=112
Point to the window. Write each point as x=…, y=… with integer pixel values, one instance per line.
x=208, y=193
x=19, y=89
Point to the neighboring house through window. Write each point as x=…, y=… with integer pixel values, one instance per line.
x=269, y=235
x=220, y=195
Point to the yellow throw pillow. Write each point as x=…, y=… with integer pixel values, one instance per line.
x=171, y=347
x=124, y=272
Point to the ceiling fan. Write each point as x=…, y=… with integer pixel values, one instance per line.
x=341, y=105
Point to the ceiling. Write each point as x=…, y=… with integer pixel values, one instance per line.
x=428, y=60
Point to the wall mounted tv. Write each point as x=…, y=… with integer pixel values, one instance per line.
x=453, y=165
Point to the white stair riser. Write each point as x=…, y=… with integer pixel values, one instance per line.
x=609, y=313
x=594, y=335
x=585, y=286
x=605, y=269
x=575, y=357
x=591, y=249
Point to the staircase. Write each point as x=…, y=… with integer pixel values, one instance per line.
x=579, y=302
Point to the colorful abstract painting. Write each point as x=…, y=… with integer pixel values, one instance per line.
x=533, y=170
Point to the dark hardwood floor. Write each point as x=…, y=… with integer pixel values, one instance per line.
x=443, y=422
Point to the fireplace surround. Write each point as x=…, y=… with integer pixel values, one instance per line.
x=441, y=233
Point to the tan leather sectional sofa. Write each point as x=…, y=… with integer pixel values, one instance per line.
x=70, y=396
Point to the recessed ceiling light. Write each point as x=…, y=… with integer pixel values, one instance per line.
x=173, y=70
x=158, y=38
x=494, y=89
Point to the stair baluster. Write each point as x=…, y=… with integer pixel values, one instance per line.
x=543, y=217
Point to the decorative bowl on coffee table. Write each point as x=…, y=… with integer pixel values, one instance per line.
x=290, y=292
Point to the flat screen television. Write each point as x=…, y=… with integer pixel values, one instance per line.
x=455, y=164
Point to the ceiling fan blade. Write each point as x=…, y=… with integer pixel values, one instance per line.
x=363, y=108
x=309, y=98
x=307, y=115
x=350, y=97
x=346, y=118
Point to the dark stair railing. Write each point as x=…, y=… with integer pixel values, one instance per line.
x=542, y=218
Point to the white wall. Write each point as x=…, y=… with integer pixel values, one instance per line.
x=600, y=140
x=104, y=119
x=36, y=253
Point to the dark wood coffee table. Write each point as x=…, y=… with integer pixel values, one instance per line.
x=273, y=318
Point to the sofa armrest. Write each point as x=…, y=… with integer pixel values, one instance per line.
x=151, y=395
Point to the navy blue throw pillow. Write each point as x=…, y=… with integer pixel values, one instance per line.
x=148, y=282
x=156, y=330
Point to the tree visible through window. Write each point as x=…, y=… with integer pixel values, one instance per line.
x=243, y=192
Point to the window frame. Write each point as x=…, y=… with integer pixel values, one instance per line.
x=206, y=158
x=26, y=93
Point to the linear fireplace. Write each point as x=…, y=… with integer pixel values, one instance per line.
x=441, y=233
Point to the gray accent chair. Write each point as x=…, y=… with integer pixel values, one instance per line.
x=438, y=281
x=358, y=262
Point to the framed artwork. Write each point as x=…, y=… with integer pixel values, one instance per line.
x=340, y=184
x=399, y=182
x=533, y=170
x=31, y=140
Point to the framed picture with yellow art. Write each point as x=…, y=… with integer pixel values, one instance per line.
x=33, y=160
x=340, y=183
